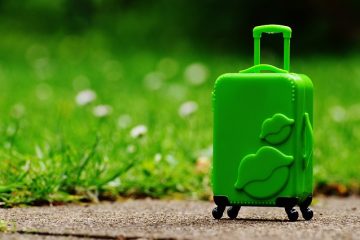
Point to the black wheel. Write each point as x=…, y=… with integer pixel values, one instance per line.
x=307, y=214
x=233, y=211
x=218, y=212
x=292, y=214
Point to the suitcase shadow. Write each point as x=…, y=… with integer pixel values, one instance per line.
x=257, y=220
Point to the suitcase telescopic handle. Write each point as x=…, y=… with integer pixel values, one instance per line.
x=286, y=31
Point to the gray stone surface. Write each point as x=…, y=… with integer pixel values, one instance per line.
x=335, y=218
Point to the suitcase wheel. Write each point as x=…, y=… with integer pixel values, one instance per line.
x=233, y=212
x=307, y=213
x=218, y=212
x=292, y=214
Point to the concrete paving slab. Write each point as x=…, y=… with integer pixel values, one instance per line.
x=335, y=218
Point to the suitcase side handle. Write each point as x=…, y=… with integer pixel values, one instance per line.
x=308, y=136
x=272, y=28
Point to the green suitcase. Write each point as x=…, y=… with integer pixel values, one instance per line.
x=263, y=138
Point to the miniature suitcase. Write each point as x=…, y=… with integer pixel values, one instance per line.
x=263, y=138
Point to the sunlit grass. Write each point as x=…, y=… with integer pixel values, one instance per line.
x=82, y=120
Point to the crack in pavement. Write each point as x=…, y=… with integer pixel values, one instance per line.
x=82, y=235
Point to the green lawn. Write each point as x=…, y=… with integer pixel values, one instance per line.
x=143, y=125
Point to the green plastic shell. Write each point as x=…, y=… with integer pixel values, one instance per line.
x=263, y=137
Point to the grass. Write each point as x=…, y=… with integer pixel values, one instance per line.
x=137, y=143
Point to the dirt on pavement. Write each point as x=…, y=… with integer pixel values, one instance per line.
x=334, y=218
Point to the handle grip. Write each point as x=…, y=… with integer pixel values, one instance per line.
x=286, y=31
x=272, y=28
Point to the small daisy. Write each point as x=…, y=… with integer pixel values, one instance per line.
x=131, y=149
x=85, y=97
x=102, y=111
x=124, y=121
x=18, y=110
x=196, y=73
x=44, y=91
x=138, y=131
x=176, y=91
x=171, y=160
x=154, y=80
x=168, y=66
x=157, y=157
x=114, y=183
x=187, y=108
x=338, y=113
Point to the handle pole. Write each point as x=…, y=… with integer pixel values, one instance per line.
x=256, y=51
x=286, y=31
x=287, y=54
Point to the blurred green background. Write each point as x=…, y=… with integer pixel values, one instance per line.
x=101, y=99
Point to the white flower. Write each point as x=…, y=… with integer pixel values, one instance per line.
x=188, y=108
x=102, y=110
x=196, y=73
x=42, y=68
x=154, y=80
x=43, y=91
x=84, y=97
x=11, y=130
x=206, y=152
x=171, y=160
x=131, y=149
x=114, y=183
x=138, y=131
x=39, y=152
x=176, y=91
x=338, y=113
x=168, y=66
x=124, y=121
x=18, y=110
x=157, y=157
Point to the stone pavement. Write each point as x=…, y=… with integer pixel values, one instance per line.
x=335, y=218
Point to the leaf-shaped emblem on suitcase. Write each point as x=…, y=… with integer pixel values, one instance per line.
x=264, y=173
x=277, y=129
